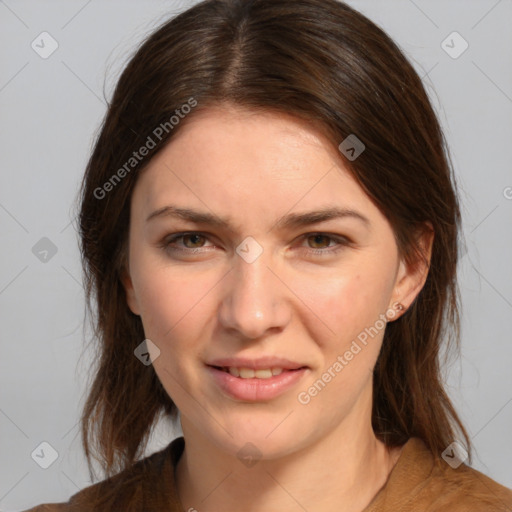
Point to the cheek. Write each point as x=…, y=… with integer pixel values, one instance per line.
x=351, y=305
x=346, y=303
x=174, y=303
x=175, y=311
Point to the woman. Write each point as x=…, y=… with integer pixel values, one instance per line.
x=269, y=232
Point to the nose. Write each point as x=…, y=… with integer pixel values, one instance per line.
x=255, y=300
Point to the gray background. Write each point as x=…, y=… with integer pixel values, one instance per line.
x=50, y=111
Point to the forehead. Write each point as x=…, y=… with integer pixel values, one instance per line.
x=244, y=162
x=233, y=139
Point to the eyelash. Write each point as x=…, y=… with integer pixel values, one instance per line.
x=341, y=242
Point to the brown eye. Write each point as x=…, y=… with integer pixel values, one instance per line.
x=324, y=244
x=186, y=243
x=319, y=241
x=195, y=241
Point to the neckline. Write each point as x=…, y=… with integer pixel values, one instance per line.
x=413, y=467
x=399, y=487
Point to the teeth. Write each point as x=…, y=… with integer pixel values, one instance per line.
x=263, y=374
x=234, y=371
x=249, y=373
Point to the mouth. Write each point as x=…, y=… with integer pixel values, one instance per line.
x=252, y=381
x=251, y=373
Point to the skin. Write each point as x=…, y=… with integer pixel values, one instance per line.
x=253, y=168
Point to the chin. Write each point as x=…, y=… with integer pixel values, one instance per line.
x=261, y=437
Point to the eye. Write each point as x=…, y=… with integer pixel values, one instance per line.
x=319, y=240
x=185, y=242
x=196, y=240
x=320, y=243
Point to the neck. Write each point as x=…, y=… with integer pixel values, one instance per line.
x=343, y=471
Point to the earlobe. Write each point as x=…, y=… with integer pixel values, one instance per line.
x=131, y=298
x=411, y=277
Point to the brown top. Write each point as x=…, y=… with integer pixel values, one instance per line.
x=418, y=482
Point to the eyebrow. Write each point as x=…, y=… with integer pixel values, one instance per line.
x=291, y=220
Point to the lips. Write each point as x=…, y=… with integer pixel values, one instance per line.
x=258, y=379
x=260, y=363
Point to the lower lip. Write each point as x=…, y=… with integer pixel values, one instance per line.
x=256, y=390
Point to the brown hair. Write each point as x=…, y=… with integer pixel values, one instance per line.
x=318, y=60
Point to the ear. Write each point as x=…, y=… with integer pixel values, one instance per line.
x=131, y=297
x=411, y=276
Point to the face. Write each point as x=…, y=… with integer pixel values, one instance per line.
x=263, y=273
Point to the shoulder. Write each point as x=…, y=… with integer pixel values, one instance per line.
x=467, y=489
x=147, y=485
x=425, y=481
